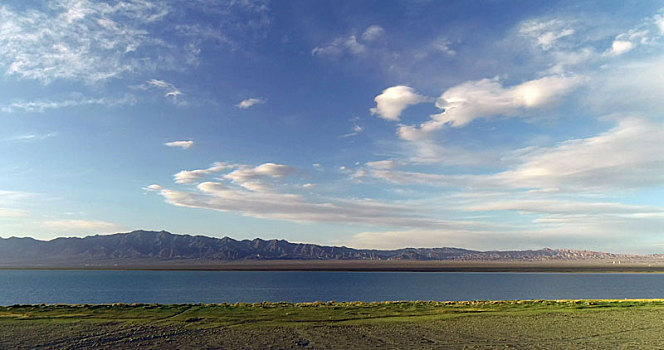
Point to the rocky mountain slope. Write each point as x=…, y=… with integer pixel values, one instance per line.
x=164, y=246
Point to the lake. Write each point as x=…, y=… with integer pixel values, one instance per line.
x=78, y=287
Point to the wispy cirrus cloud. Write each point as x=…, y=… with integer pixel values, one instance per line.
x=356, y=129
x=586, y=164
x=572, y=44
x=566, y=207
x=77, y=39
x=30, y=137
x=74, y=100
x=646, y=33
x=8, y=197
x=339, y=46
x=67, y=226
x=546, y=34
x=373, y=33
x=353, y=44
x=92, y=41
x=170, y=91
x=537, y=219
x=8, y=213
x=591, y=163
x=296, y=208
x=597, y=233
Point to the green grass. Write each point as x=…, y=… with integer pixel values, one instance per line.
x=537, y=323
x=283, y=314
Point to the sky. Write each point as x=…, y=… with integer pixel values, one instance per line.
x=371, y=124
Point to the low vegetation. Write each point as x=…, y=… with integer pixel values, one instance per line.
x=329, y=325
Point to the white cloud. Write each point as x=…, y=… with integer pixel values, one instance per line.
x=256, y=178
x=356, y=129
x=428, y=238
x=293, y=207
x=546, y=33
x=394, y=100
x=618, y=159
x=659, y=22
x=170, y=91
x=173, y=94
x=94, y=41
x=623, y=157
x=434, y=48
x=571, y=54
x=541, y=221
x=80, y=226
x=350, y=44
x=561, y=194
x=487, y=98
x=256, y=192
x=153, y=188
x=74, y=100
x=419, y=178
x=546, y=40
x=181, y=144
x=274, y=170
x=568, y=207
x=8, y=213
x=564, y=61
x=435, y=151
x=582, y=232
x=360, y=173
x=339, y=46
x=443, y=45
x=14, y=199
x=373, y=32
x=189, y=176
x=77, y=39
x=244, y=104
x=640, y=35
x=620, y=47
x=468, y=101
x=632, y=85
x=383, y=164
x=159, y=83
x=30, y=137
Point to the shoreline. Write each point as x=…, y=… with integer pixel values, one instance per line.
x=360, y=266
x=585, y=302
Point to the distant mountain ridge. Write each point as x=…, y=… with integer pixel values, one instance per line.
x=164, y=246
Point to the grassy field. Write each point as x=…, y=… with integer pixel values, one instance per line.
x=564, y=324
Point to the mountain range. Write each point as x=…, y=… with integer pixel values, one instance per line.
x=152, y=246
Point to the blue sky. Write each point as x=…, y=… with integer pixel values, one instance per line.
x=372, y=124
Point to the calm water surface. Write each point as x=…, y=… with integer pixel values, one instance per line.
x=30, y=287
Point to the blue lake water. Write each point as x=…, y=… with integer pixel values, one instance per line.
x=32, y=287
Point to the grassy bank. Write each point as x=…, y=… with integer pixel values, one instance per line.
x=475, y=324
